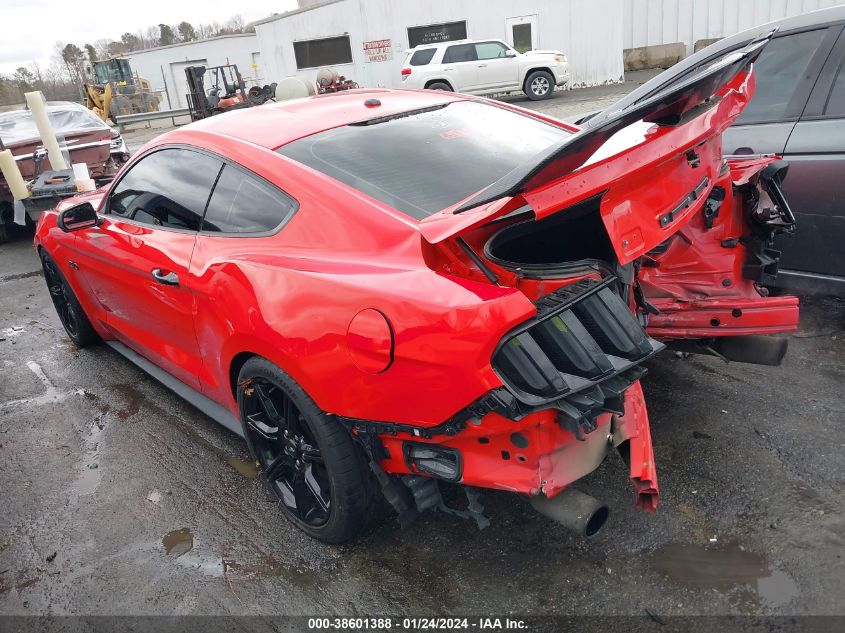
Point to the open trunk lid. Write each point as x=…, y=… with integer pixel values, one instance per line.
x=656, y=161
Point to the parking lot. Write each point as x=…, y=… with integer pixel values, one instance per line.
x=122, y=499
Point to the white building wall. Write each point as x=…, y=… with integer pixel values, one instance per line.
x=588, y=31
x=164, y=67
x=650, y=22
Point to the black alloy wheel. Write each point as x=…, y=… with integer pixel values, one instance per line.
x=308, y=459
x=70, y=312
x=290, y=458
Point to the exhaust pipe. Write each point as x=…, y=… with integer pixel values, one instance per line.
x=579, y=512
x=748, y=348
x=752, y=348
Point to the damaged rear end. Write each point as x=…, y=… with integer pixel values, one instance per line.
x=628, y=236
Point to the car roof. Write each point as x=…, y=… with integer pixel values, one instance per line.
x=452, y=43
x=275, y=124
x=819, y=18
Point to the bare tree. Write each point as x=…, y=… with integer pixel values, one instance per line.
x=151, y=37
x=115, y=49
x=235, y=24
x=102, y=48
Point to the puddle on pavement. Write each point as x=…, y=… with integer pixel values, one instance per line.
x=133, y=399
x=178, y=542
x=89, y=466
x=180, y=545
x=724, y=568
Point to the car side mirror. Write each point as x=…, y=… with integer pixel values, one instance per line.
x=510, y=53
x=77, y=217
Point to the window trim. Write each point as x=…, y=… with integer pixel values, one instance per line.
x=318, y=39
x=104, y=206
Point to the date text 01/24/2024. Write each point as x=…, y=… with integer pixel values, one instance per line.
x=416, y=624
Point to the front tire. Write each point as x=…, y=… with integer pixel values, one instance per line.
x=539, y=85
x=70, y=312
x=308, y=460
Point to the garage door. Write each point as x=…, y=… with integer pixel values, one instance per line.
x=178, y=69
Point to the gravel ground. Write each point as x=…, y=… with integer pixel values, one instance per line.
x=119, y=498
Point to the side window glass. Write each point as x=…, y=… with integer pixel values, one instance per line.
x=167, y=188
x=836, y=101
x=490, y=50
x=242, y=203
x=459, y=53
x=778, y=72
x=422, y=57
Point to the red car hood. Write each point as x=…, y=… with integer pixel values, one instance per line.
x=668, y=126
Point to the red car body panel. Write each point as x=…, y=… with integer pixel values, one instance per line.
x=386, y=320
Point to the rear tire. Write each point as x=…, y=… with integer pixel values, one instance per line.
x=6, y=219
x=308, y=460
x=539, y=85
x=439, y=85
x=70, y=312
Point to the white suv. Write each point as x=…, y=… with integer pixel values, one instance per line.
x=484, y=67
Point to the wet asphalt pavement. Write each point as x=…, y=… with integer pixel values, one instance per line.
x=119, y=498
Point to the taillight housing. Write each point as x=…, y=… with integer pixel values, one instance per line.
x=406, y=72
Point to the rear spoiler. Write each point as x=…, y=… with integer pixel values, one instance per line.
x=669, y=106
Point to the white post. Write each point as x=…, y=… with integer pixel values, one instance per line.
x=38, y=107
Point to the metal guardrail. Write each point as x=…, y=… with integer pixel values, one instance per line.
x=143, y=117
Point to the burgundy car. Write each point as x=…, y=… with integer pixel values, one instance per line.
x=88, y=139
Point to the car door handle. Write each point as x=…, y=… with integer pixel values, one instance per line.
x=168, y=279
x=482, y=65
x=449, y=68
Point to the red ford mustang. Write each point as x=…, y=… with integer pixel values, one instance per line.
x=385, y=289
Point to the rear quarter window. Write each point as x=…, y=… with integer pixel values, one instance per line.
x=241, y=203
x=422, y=57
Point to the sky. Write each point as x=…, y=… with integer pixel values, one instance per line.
x=32, y=27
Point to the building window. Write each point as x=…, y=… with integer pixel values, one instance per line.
x=433, y=33
x=324, y=52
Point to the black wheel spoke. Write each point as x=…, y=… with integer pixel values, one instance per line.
x=263, y=429
x=276, y=468
x=291, y=461
x=291, y=416
x=310, y=503
x=316, y=488
x=267, y=404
